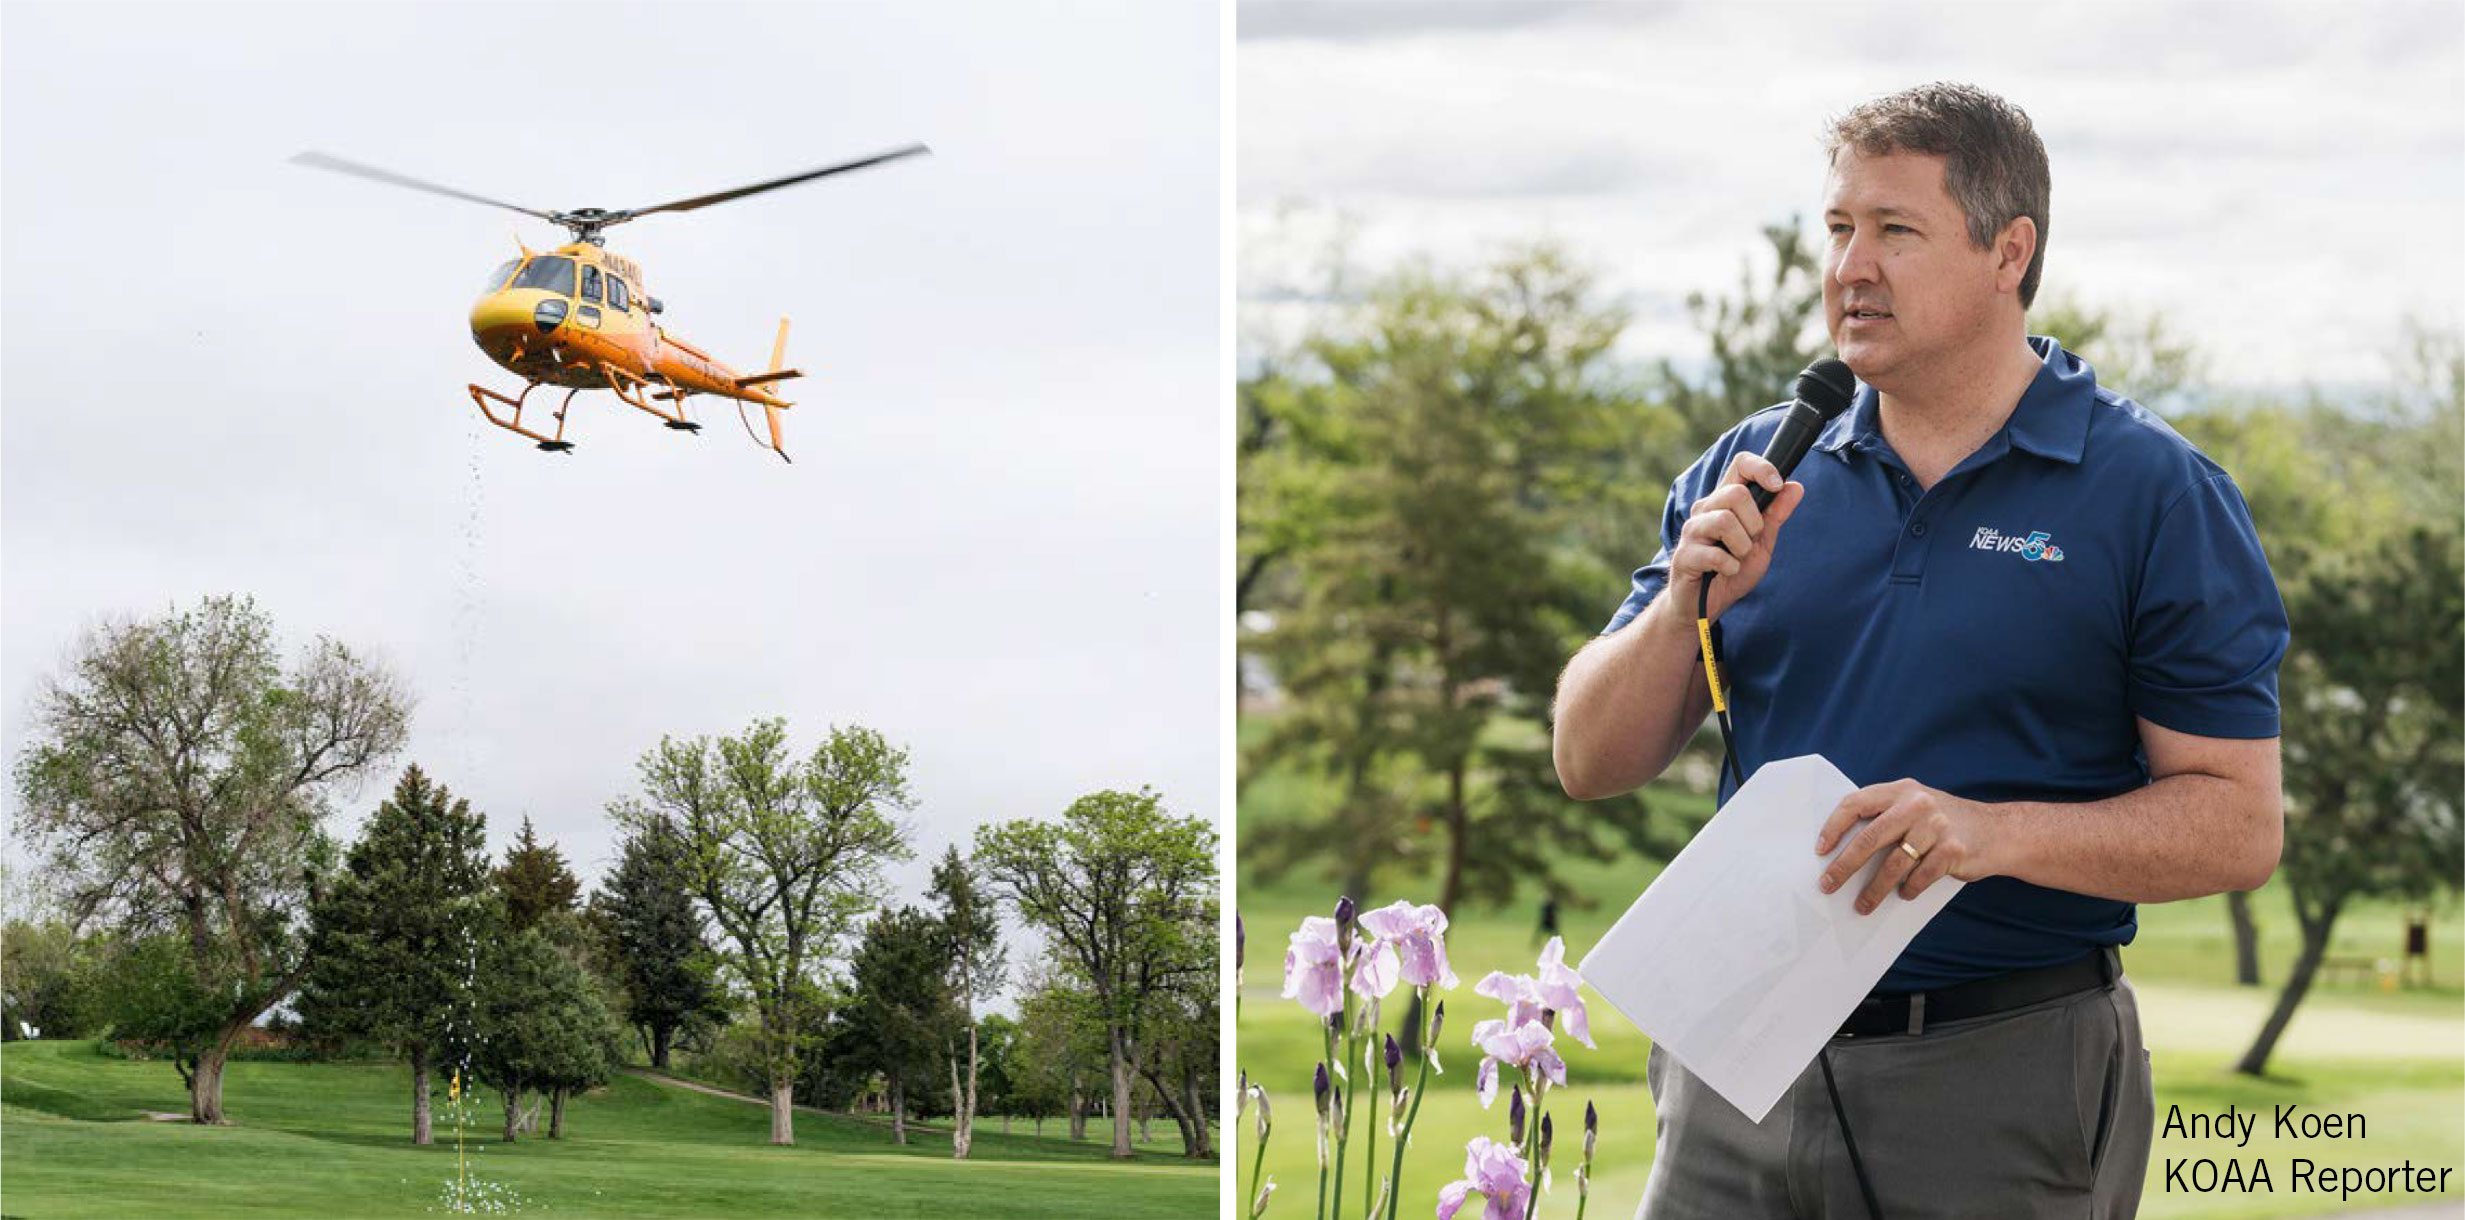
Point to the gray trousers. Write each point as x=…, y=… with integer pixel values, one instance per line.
x=2043, y=1111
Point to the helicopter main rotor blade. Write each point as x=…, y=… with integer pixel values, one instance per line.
x=703, y=201
x=318, y=160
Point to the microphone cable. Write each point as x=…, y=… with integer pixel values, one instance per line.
x=1711, y=677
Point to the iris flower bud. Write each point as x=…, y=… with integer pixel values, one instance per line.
x=1515, y=1115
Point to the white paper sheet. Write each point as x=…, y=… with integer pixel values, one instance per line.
x=1733, y=961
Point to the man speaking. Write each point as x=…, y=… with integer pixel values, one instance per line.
x=2034, y=622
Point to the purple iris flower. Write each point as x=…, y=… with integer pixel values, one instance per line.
x=1495, y=1172
x=1314, y=969
x=1418, y=934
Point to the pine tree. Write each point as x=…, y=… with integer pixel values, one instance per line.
x=535, y=883
x=657, y=937
x=541, y=1026
x=395, y=940
x=898, y=1021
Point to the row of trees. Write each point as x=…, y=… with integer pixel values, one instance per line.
x=1445, y=479
x=180, y=774
x=417, y=947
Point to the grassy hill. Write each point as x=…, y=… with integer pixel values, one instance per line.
x=334, y=1139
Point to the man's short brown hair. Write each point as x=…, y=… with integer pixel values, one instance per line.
x=1994, y=165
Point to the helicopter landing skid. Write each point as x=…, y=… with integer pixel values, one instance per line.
x=628, y=390
x=552, y=444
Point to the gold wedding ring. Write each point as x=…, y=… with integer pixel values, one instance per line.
x=1914, y=854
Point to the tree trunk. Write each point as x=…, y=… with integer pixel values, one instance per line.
x=1039, y=1126
x=782, y=1109
x=898, y=1109
x=1458, y=836
x=2246, y=938
x=968, y=1122
x=2306, y=966
x=205, y=1090
x=422, y=1131
x=205, y=1086
x=958, y=1120
x=1205, y=1149
x=556, y=1113
x=1078, y=1109
x=1173, y=1109
x=659, y=1035
x=513, y=1114
x=1120, y=1039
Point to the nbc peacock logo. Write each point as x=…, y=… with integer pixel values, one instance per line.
x=2036, y=547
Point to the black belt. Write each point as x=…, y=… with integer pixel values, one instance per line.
x=1913, y=1012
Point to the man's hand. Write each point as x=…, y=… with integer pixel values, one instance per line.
x=1949, y=836
x=1727, y=536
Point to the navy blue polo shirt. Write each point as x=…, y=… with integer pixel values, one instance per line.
x=1996, y=636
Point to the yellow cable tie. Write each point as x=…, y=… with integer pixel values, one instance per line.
x=1711, y=676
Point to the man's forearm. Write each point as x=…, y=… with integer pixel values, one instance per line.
x=1628, y=703
x=2184, y=836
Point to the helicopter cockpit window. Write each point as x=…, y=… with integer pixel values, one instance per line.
x=547, y=272
x=496, y=279
x=618, y=298
x=590, y=282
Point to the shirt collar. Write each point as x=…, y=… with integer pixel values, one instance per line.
x=2050, y=421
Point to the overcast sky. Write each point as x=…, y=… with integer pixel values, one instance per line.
x=225, y=373
x=2282, y=183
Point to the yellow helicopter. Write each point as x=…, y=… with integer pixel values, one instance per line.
x=579, y=316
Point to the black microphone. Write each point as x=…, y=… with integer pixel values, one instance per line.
x=1820, y=393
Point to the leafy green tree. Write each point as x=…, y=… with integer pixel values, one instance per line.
x=657, y=939
x=785, y=856
x=1455, y=464
x=541, y=1026
x=900, y=1014
x=972, y=948
x=48, y=976
x=179, y=775
x=155, y=1001
x=1119, y=885
x=535, y=882
x=997, y=1035
x=1058, y=1049
x=395, y=940
x=1180, y=1040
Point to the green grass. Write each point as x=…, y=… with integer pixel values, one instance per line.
x=2397, y=1057
x=334, y=1139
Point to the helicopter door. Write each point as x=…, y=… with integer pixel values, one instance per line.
x=587, y=314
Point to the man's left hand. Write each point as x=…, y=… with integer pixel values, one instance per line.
x=1949, y=836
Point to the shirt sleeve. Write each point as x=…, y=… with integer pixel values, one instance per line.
x=2208, y=628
